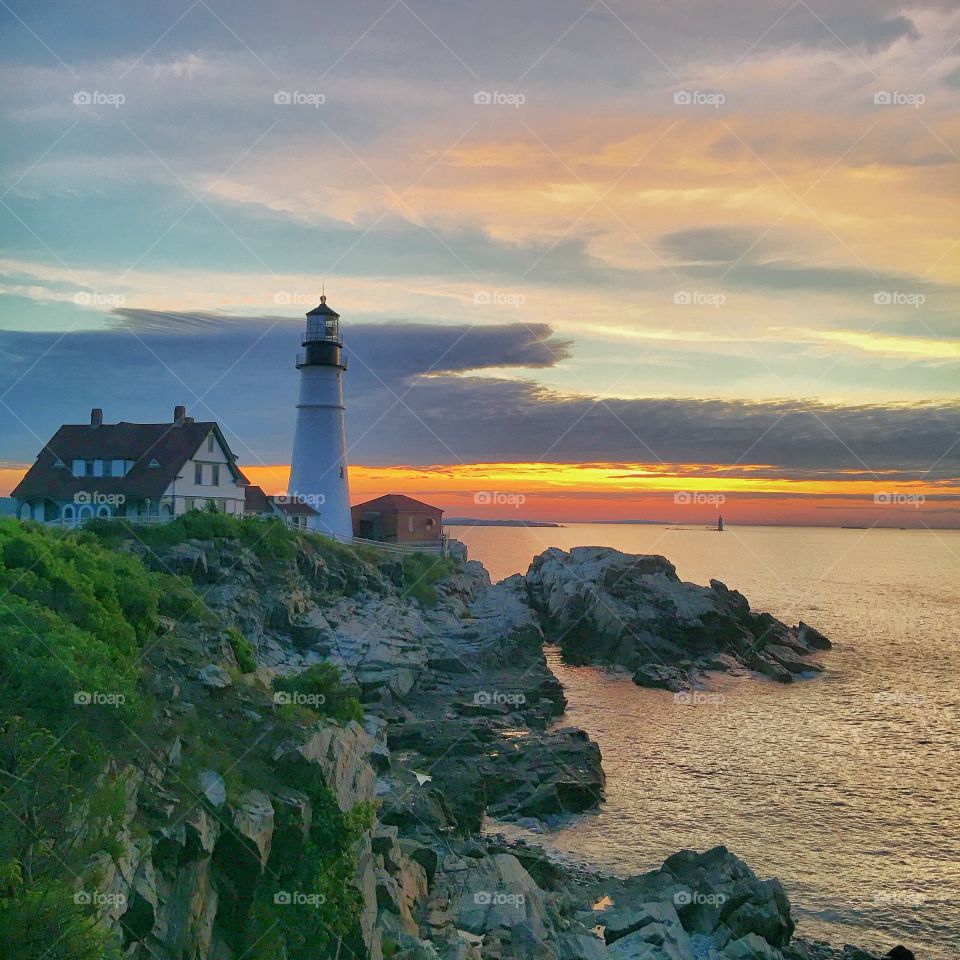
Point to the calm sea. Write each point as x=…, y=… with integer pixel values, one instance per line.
x=847, y=786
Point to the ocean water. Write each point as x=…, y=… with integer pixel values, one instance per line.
x=845, y=786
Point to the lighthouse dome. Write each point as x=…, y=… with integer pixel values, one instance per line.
x=322, y=310
x=322, y=324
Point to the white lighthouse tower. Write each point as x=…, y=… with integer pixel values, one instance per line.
x=318, y=469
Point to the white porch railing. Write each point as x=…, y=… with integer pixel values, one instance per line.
x=71, y=522
x=433, y=547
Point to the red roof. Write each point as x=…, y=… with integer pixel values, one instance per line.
x=397, y=501
x=168, y=445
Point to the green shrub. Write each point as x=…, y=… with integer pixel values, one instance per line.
x=242, y=650
x=320, y=688
x=269, y=538
x=420, y=572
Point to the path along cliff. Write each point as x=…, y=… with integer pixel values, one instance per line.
x=265, y=813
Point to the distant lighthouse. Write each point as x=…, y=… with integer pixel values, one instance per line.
x=318, y=469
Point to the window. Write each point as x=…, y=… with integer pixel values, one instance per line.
x=215, y=474
x=117, y=468
x=210, y=444
x=98, y=468
x=79, y=468
x=410, y=523
x=429, y=523
x=198, y=474
x=188, y=503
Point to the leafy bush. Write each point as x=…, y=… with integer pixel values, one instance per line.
x=320, y=688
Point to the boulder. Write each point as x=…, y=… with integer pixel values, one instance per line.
x=213, y=787
x=214, y=676
x=810, y=637
x=253, y=818
x=622, y=921
x=751, y=947
x=632, y=610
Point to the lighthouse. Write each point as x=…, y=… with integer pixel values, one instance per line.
x=318, y=468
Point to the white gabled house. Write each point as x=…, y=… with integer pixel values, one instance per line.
x=141, y=471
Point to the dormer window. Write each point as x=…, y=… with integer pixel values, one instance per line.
x=198, y=474
x=210, y=440
x=79, y=468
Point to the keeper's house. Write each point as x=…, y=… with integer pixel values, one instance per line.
x=141, y=471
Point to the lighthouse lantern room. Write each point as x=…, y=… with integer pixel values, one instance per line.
x=318, y=468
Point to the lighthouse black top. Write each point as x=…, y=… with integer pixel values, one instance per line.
x=321, y=339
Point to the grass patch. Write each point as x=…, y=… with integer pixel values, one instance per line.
x=420, y=572
x=320, y=689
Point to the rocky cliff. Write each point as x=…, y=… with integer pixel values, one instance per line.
x=460, y=722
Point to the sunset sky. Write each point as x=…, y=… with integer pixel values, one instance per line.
x=689, y=258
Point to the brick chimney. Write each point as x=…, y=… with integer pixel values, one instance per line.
x=179, y=414
x=96, y=417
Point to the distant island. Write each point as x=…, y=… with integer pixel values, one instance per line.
x=474, y=522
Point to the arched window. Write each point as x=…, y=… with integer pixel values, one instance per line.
x=103, y=511
x=85, y=512
x=25, y=511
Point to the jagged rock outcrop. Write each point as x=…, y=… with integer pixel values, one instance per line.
x=631, y=610
x=459, y=714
